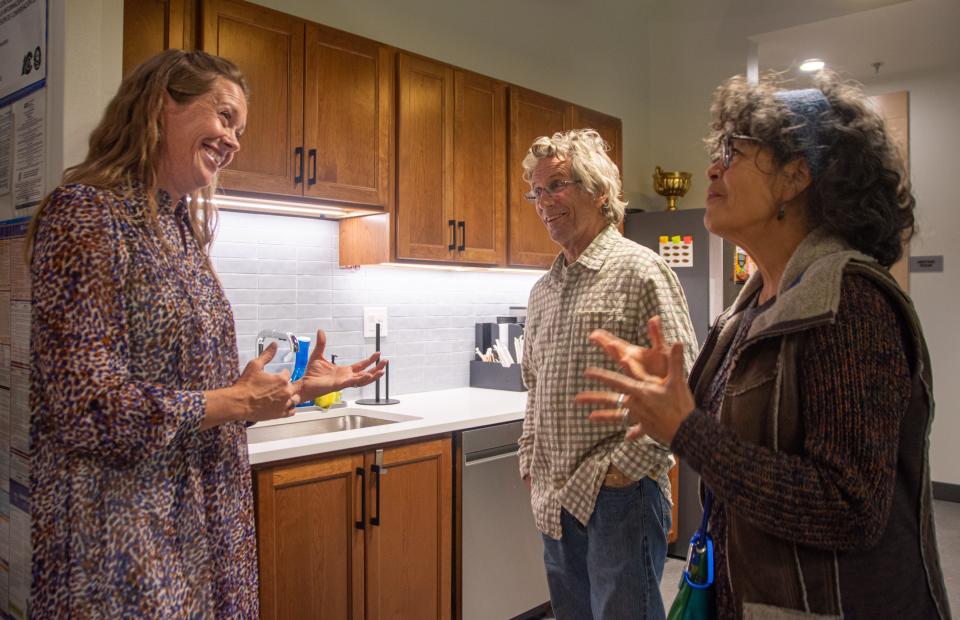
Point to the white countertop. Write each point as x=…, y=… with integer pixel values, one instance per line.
x=437, y=412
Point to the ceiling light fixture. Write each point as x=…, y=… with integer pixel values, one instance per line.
x=811, y=64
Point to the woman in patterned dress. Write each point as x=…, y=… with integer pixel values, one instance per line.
x=141, y=494
x=809, y=409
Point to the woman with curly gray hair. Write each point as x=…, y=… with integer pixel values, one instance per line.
x=808, y=411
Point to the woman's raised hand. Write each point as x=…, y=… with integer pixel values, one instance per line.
x=321, y=377
x=267, y=395
x=654, y=387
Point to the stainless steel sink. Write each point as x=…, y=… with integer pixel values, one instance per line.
x=347, y=419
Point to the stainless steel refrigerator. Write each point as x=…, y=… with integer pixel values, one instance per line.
x=704, y=266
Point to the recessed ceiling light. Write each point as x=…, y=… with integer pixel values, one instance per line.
x=811, y=64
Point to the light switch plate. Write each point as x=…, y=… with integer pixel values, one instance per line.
x=371, y=316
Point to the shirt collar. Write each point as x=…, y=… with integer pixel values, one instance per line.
x=592, y=257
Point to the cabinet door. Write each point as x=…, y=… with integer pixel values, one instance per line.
x=531, y=115
x=479, y=151
x=310, y=548
x=610, y=129
x=268, y=48
x=409, y=553
x=151, y=26
x=348, y=117
x=424, y=212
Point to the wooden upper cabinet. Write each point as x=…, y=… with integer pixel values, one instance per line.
x=451, y=182
x=152, y=26
x=409, y=554
x=424, y=211
x=267, y=46
x=479, y=170
x=348, y=117
x=310, y=548
x=531, y=115
x=610, y=129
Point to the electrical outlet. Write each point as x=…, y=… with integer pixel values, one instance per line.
x=371, y=316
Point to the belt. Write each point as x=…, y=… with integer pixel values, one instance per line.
x=616, y=478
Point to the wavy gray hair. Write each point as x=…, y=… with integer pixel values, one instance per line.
x=589, y=163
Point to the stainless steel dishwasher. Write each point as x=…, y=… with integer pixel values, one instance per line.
x=502, y=553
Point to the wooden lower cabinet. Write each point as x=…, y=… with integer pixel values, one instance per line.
x=333, y=545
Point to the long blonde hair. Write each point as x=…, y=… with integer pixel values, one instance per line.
x=125, y=147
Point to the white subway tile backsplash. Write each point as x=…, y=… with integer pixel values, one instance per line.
x=278, y=281
x=235, y=281
x=297, y=286
x=230, y=250
x=283, y=267
x=244, y=311
x=314, y=311
x=277, y=311
x=313, y=282
x=309, y=267
x=238, y=296
x=277, y=296
x=236, y=265
x=277, y=252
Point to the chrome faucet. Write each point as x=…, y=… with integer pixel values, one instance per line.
x=277, y=335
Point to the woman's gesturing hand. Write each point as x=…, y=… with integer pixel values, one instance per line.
x=267, y=395
x=656, y=398
x=638, y=362
x=321, y=377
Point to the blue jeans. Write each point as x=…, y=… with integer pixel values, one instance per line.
x=611, y=568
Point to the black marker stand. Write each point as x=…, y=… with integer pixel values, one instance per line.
x=377, y=401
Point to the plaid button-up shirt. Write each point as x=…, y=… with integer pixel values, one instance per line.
x=616, y=285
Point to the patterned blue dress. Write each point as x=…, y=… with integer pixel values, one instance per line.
x=136, y=512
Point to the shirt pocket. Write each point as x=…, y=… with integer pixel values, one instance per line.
x=585, y=353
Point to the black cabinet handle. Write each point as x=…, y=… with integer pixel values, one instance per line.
x=313, y=167
x=453, y=234
x=375, y=520
x=362, y=523
x=298, y=165
x=463, y=236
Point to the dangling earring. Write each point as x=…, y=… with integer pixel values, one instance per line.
x=781, y=213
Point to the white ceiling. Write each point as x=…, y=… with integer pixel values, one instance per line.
x=907, y=37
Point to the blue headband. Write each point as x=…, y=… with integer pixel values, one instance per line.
x=806, y=109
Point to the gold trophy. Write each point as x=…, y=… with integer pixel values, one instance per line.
x=671, y=185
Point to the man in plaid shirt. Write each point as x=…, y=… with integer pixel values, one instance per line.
x=601, y=503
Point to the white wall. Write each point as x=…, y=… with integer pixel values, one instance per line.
x=934, y=134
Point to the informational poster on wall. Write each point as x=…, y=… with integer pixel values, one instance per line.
x=15, y=319
x=23, y=41
x=6, y=135
x=29, y=127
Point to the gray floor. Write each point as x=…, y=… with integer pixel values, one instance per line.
x=947, y=516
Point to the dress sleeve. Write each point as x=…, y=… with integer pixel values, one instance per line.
x=83, y=393
x=855, y=387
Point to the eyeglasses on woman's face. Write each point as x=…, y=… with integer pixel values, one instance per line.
x=552, y=188
x=727, y=147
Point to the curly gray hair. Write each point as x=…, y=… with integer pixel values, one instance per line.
x=589, y=163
